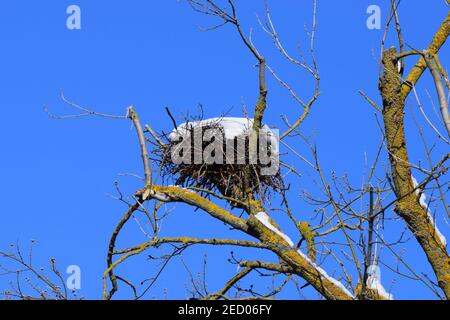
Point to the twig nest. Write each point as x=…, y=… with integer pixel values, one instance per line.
x=224, y=154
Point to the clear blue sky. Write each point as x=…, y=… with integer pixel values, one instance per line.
x=55, y=176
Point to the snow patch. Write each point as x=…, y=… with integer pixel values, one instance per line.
x=423, y=204
x=324, y=274
x=374, y=282
x=265, y=220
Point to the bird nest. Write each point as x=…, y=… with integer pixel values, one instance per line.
x=224, y=155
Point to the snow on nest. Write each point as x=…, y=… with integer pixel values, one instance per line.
x=374, y=282
x=264, y=219
x=232, y=126
x=423, y=203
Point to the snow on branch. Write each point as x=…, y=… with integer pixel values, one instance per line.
x=374, y=282
x=424, y=205
x=265, y=220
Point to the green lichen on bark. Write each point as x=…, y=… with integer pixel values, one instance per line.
x=192, y=198
x=308, y=235
x=436, y=43
x=408, y=206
